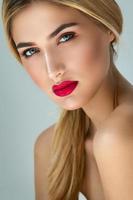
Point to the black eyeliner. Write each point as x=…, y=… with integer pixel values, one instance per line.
x=67, y=33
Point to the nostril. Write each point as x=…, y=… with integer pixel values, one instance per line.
x=55, y=77
x=54, y=74
x=58, y=74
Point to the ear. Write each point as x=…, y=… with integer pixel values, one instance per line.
x=111, y=36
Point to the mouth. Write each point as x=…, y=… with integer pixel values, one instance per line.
x=65, y=88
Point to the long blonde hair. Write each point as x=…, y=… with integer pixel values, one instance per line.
x=68, y=155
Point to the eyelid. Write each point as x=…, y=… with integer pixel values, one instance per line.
x=67, y=33
x=24, y=52
x=61, y=36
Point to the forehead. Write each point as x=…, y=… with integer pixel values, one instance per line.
x=42, y=18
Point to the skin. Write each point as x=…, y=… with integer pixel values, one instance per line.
x=85, y=57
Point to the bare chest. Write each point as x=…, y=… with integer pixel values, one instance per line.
x=92, y=186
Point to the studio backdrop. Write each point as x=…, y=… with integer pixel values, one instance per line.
x=25, y=111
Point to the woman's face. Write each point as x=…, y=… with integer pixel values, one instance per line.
x=79, y=52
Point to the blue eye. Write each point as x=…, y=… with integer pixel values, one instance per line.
x=29, y=52
x=68, y=36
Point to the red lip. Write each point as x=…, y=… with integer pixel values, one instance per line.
x=64, y=88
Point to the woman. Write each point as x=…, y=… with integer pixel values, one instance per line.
x=67, y=47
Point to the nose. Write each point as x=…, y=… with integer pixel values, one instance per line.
x=56, y=76
x=54, y=67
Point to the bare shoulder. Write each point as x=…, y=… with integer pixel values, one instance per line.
x=120, y=119
x=113, y=152
x=41, y=162
x=118, y=126
x=44, y=139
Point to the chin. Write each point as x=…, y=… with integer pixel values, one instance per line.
x=71, y=106
x=72, y=102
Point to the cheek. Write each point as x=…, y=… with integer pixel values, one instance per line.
x=36, y=72
x=95, y=58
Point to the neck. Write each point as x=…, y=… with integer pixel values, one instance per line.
x=103, y=102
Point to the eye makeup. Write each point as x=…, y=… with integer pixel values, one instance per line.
x=27, y=53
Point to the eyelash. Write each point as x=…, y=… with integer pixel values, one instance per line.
x=72, y=34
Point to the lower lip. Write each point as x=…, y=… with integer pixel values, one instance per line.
x=67, y=90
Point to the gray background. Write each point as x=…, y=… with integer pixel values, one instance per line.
x=25, y=111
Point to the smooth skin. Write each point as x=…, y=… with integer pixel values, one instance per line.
x=84, y=56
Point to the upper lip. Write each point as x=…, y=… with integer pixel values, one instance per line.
x=62, y=85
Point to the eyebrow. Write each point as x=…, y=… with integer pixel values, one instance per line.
x=53, y=34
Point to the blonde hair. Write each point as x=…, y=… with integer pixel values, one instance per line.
x=68, y=155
